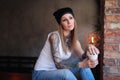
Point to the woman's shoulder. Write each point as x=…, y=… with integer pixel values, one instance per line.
x=53, y=34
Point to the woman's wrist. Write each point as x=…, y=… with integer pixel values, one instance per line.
x=80, y=65
x=83, y=56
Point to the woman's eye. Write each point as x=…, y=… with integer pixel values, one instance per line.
x=71, y=17
x=64, y=20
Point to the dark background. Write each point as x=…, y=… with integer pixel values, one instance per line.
x=24, y=24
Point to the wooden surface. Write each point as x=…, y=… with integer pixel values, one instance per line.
x=15, y=76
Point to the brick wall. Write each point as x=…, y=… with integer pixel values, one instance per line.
x=111, y=68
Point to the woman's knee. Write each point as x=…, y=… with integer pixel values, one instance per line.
x=68, y=75
x=86, y=72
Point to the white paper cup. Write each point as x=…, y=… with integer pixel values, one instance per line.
x=92, y=56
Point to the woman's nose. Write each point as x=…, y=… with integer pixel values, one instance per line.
x=68, y=21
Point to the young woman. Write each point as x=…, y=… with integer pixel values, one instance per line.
x=53, y=62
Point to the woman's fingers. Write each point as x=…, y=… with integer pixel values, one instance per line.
x=90, y=50
x=97, y=51
x=93, y=50
x=86, y=63
x=92, y=64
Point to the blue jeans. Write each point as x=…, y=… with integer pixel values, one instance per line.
x=63, y=74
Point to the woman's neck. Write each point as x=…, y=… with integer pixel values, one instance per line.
x=67, y=38
x=66, y=33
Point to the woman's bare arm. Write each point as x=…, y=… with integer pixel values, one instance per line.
x=87, y=62
x=54, y=42
x=78, y=49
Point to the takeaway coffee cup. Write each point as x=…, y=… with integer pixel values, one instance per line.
x=92, y=56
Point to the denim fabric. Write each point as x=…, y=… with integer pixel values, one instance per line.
x=84, y=73
x=60, y=74
x=64, y=74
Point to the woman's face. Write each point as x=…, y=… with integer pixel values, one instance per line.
x=67, y=22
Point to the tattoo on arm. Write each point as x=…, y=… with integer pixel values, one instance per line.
x=54, y=42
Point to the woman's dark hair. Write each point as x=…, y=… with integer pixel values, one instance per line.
x=60, y=12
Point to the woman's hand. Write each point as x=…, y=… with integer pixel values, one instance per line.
x=86, y=63
x=92, y=50
x=90, y=62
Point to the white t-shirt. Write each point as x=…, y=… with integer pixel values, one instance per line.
x=45, y=60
